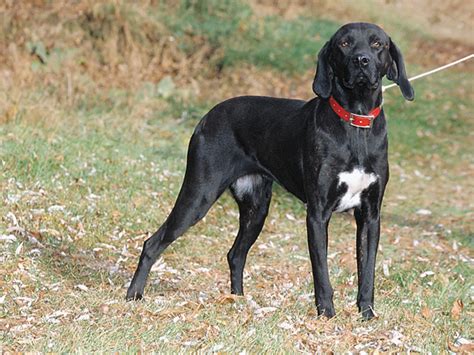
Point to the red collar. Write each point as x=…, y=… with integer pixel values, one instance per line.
x=361, y=121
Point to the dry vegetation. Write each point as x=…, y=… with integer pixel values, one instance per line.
x=97, y=102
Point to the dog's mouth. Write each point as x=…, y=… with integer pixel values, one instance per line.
x=361, y=80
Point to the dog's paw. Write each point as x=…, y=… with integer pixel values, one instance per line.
x=368, y=313
x=133, y=295
x=237, y=292
x=327, y=311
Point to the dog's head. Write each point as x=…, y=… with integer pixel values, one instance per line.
x=357, y=57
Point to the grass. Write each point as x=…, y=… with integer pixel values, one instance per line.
x=241, y=37
x=84, y=181
x=271, y=43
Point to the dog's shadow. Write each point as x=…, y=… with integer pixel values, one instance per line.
x=71, y=268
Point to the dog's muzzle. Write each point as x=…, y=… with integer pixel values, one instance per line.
x=361, y=78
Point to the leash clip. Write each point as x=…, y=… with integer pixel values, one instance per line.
x=369, y=118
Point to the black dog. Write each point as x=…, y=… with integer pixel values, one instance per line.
x=330, y=152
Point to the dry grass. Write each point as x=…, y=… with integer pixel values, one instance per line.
x=447, y=20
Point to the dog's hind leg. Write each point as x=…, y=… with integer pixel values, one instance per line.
x=253, y=194
x=204, y=182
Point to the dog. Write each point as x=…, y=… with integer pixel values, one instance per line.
x=330, y=152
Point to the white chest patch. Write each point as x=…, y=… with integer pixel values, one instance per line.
x=357, y=181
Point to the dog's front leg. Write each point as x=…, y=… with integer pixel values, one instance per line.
x=368, y=234
x=317, y=225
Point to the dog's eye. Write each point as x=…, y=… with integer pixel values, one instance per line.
x=376, y=44
x=344, y=44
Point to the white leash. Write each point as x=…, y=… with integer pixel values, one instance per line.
x=470, y=56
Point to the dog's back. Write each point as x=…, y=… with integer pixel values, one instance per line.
x=255, y=115
x=270, y=131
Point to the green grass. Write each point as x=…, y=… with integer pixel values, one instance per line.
x=117, y=178
x=271, y=43
x=230, y=27
x=441, y=109
x=217, y=21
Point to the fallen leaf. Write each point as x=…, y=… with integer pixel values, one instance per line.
x=457, y=308
x=217, y=347
x=20, y=328
x=396, y=338
x=462, y=349
x=18, y=249
x=104, y=308
x=385, y=269
x=116, y=215
x=426, y=273
x=36, y=234
x=8, y=238
x=423, y=212
x=56, y=208
x=191, y=343
x=426, y=312
x=82, y=287
x=285, y=325
x=264, y=310
x=53, y=317
x=83, y=317
x=226, y=299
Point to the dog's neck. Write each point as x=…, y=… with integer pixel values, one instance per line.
x=358, y=100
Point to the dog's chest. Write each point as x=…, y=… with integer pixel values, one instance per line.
x=357, y=181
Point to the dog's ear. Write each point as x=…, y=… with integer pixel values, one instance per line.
x=322, y=84
x=397, y=73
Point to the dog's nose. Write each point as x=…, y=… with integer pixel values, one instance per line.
x=361, y=59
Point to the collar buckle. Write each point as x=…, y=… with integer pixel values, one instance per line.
x=361, y=121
